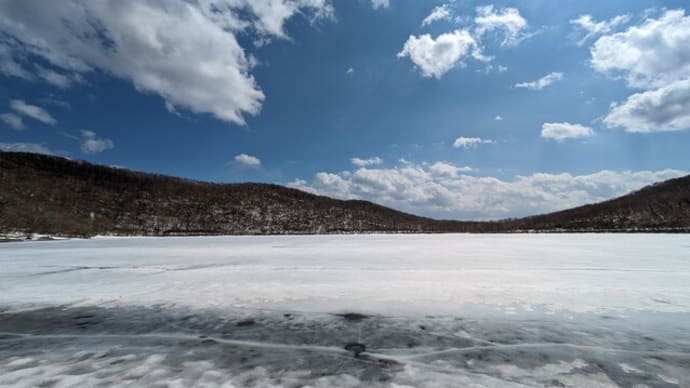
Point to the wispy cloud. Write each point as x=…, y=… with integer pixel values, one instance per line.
x=13, y=120
x=542, y=82
x=32, y=111
x=593, y=28
x=36, y=148
x=442, y=12
x=366, y=162
x=470, y=142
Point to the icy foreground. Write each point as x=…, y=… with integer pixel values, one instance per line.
x=431, y=310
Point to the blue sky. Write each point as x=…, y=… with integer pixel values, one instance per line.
x=455, y=109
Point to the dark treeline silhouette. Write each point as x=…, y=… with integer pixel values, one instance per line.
x=54, y=195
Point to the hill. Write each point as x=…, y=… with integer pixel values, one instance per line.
x=54, y=195
x=663, y=206
x=59, y=196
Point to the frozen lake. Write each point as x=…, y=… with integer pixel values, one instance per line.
x=555, y=310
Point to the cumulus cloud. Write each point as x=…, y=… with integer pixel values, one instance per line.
x=593, y=28
x=448, y=170
x=435, y=57
x=470, y=142
x=92, y=144
x=442, y=12
x=663, y=109
x=650, y=55
x=498, y=118
x=562, y=131
x=248, y=160
x=14, y=121
x=184, y=51
x=377, y=4
x=653, y=57
x=350, y=71
x=507, y=21
x=366, y=162
x=35, y=148
x=542, y=82
x=32, y=111
x=443, y=190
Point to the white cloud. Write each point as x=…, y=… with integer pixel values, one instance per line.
x=506, y=20
x=54, y=78
x=36, y=148
x=542, y=82
x=663, y=109
x=184, y=51
x=248, y=160
x=442, y=12
x=562, y=131
x=650, y=55
x=350, y=71
x=653, y=57
x=377, y=4
x=366, y=162
x=441, y=191
x=435, y=57
x=92, y=144
x=593, y=28
x=448, y=170
x=470, y=142
x=33, y=111
x=12, y=120
x=51, y=99
x=498, y=118
x=9, y=66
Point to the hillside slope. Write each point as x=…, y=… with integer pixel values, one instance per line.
x=54, y=195
x=661, y=206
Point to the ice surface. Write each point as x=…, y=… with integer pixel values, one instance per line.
x=434, y=273
x=434, y=311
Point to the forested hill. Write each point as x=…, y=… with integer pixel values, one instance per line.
x=54, y=195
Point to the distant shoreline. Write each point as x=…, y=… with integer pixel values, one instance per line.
x=62, y=237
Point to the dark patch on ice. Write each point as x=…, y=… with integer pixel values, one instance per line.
x=354, y=317
x=47, y=383
x=73, y=269
x=245, y=323
x=356, y=348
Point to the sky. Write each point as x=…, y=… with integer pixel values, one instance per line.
x=450, y=109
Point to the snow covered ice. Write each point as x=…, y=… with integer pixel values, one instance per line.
x=560, y=310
